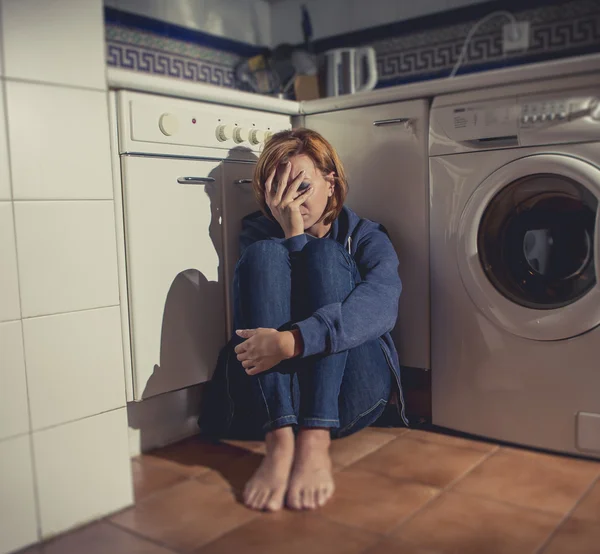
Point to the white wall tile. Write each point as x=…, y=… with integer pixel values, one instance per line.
x=55, y=41
x=59, y=142
x=67, y=256
x=5, y=193
x=9, y=282
x=74, y=365
x=18, y=521
x=334, y=17
x=83, y=471
x=244, y=20
x=14, y=415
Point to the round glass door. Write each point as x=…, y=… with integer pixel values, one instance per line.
x=536, y=241
x=528, y=247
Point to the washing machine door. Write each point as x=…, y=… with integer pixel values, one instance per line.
x=529, y=247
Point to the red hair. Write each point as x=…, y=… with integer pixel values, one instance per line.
x=286, y=144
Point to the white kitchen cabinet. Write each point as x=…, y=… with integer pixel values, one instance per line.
x=59, y=143
x=1, y=44
x=18, y=522
x=238, y=201
x=74, y=365
x=384, y=152
x=5, y=192
x=9, y=278
x=54, y=41
x=173, y=237
x=14, y=415
x=82, y=471
x=67, y=256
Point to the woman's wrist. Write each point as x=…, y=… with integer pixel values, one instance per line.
x=292, y=344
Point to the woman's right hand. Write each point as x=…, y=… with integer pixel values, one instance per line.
x=284, y=201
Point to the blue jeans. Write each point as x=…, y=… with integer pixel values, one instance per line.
x=345, y=391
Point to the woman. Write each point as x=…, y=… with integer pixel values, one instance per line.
x=316, y=293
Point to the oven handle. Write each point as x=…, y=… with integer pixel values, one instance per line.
x=195, y=180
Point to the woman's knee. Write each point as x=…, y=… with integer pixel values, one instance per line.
x=324, y=252
x=265, y=252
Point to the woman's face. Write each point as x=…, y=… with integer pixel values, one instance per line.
x=313, y=208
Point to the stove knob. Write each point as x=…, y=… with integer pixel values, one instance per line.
x=240, y=134
x=224, y=132
x=256, y=136
x=168, y=124
x=268, y=135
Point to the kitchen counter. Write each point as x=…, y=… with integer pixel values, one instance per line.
x=167, y=86
x=130, y=80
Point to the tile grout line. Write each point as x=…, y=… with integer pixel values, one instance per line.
x=408, y=518
x=566, y=517
x=138, y=535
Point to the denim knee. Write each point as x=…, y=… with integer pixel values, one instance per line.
x=264, y=253
x=325, y=251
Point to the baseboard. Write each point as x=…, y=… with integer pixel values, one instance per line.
x=163, y=419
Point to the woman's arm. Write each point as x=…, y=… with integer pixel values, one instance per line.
x=368, y=312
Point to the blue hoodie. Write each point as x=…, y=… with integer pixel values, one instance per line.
x=371, y=309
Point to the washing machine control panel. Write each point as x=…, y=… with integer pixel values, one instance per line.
x=540, y=111
x=561, y=117
x=567, y=116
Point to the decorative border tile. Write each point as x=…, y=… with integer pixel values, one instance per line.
x=150, y=46
x=142, y=59
x=556, y=31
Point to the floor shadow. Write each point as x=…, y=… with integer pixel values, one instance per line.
x=232, y=462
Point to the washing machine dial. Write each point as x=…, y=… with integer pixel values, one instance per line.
x=224, y=132
x=168, y=124
x=594, y=108
x=256, y=136
x=240, y=134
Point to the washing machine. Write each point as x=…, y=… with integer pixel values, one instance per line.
x=515, y=264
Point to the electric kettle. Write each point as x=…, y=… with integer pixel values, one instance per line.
x=350, y=70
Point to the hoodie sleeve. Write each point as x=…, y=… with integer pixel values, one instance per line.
x=368, y=312
x=253, y=232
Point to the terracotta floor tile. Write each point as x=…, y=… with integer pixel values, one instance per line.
x=464, y=524
x=589, y=507
x=195, y=456
x=235, y=475
x=396, y=546
x=250, y=446
x=186, y=516
x=100, y=538
x=531, y=480
x=350, y=449
x=441, y=438
x=292, y=533
x=374, y=502
x=576, y=536
x=426, y=462
x=149, y=477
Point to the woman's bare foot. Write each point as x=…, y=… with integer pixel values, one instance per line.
x=311, y=483
x=266, y=489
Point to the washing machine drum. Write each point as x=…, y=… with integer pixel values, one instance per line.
x=528, y=247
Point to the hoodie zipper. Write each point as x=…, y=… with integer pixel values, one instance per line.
x=401, y=395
